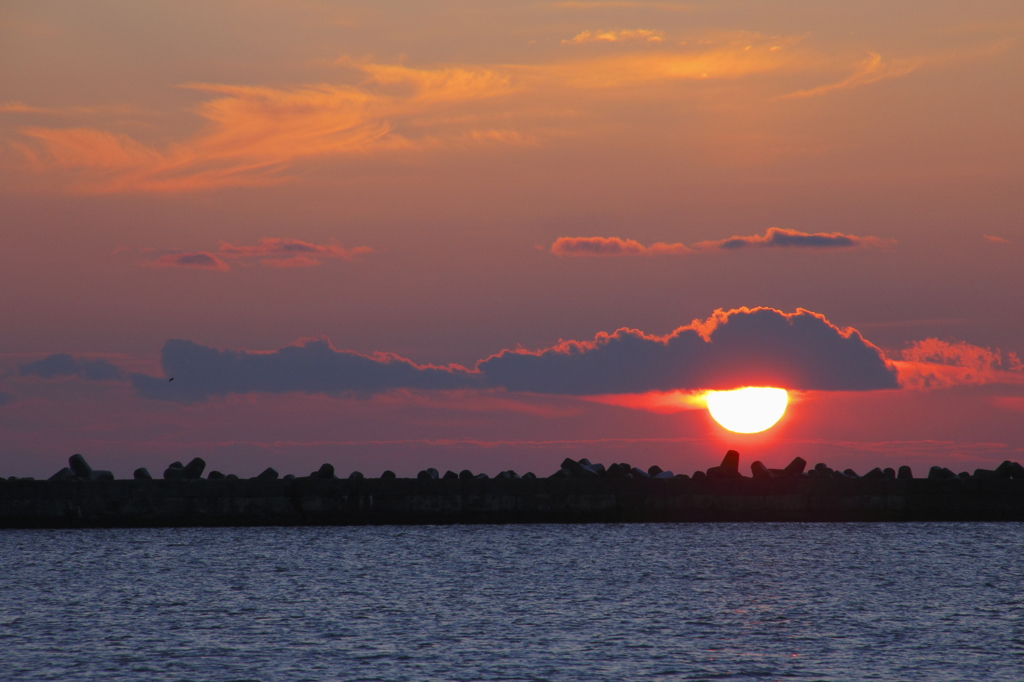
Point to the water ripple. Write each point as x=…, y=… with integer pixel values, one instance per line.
x=560, y=602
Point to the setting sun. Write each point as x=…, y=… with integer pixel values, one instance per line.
x=747, y=410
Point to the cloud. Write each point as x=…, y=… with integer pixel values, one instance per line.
x=934, y=363
x=5, y=398
x=64, y=365
x=254, y=134
x=779, y=238
x=871, y=70
x=773, y=238
x=193, y=260
x=637, y=35
x=201, y=372
x=996, y=240
x=743, y=347
x=270, y=252
x=611, y=246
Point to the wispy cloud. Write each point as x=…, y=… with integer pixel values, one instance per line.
x=256, y=135
x=996, y=240
x=272, y=252
x=773, y=238
x=871, y=70
x=612, y=246
x=934, y=363
x=636, y=35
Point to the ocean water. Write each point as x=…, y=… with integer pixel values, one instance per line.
x=532, y=602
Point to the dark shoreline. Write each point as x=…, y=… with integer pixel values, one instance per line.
x=310, y=501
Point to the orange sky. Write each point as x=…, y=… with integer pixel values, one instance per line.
x=445, y=180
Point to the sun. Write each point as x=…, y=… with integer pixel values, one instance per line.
x=747, y=410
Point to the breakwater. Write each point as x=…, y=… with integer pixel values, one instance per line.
x=578, y=492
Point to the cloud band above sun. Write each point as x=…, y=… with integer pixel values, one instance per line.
x=773, y=238
x=742, y=347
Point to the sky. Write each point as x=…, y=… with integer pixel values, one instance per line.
x=393, y=235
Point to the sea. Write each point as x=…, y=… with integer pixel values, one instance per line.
x=793, y=601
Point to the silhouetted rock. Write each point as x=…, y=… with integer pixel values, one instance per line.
x=963, y=475
x=102, y=475
x=759, y=470
x=215, y=476
x=639, y=473
x=173, y=473
x=268, y=474
x=664, y=474
x=175, y=465
x=985, y=473
x=482, y=477
x=616, y=471
x=821, y=468
x=389, y=474
x=578, y=469
x=529, y=475
x=795, y=468
x=941, y=473
x=1017, y=471
x=356, y=476
x=890, y=473
x=79, y=466
x=142, y=474
x=65, y=474
x=428, y=474
x=1005, y=470
x=194, y=469
x=585, y=462
x=654, y=470
x=232, y=477
x=875, y=473
x=904, y=473
x=465, y=474
x=503, y=475
x=729, y=468
x=450, y=475
x=699, y=475
x=288, y=477
x=326, y=470
x=850, y=473
x=731, y=461
x=561, y=473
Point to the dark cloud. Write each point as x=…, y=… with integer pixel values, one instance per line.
x=778, y=238
x=272, y=252
x=315, y=367
x=64, y=365
x=199, y=260
x=773, y=238
x=760, y=347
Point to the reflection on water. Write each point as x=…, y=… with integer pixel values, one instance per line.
x=586, y=602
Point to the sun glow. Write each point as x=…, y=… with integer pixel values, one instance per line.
x=747, y=410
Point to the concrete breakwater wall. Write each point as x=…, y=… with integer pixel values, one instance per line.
x=312, y=501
